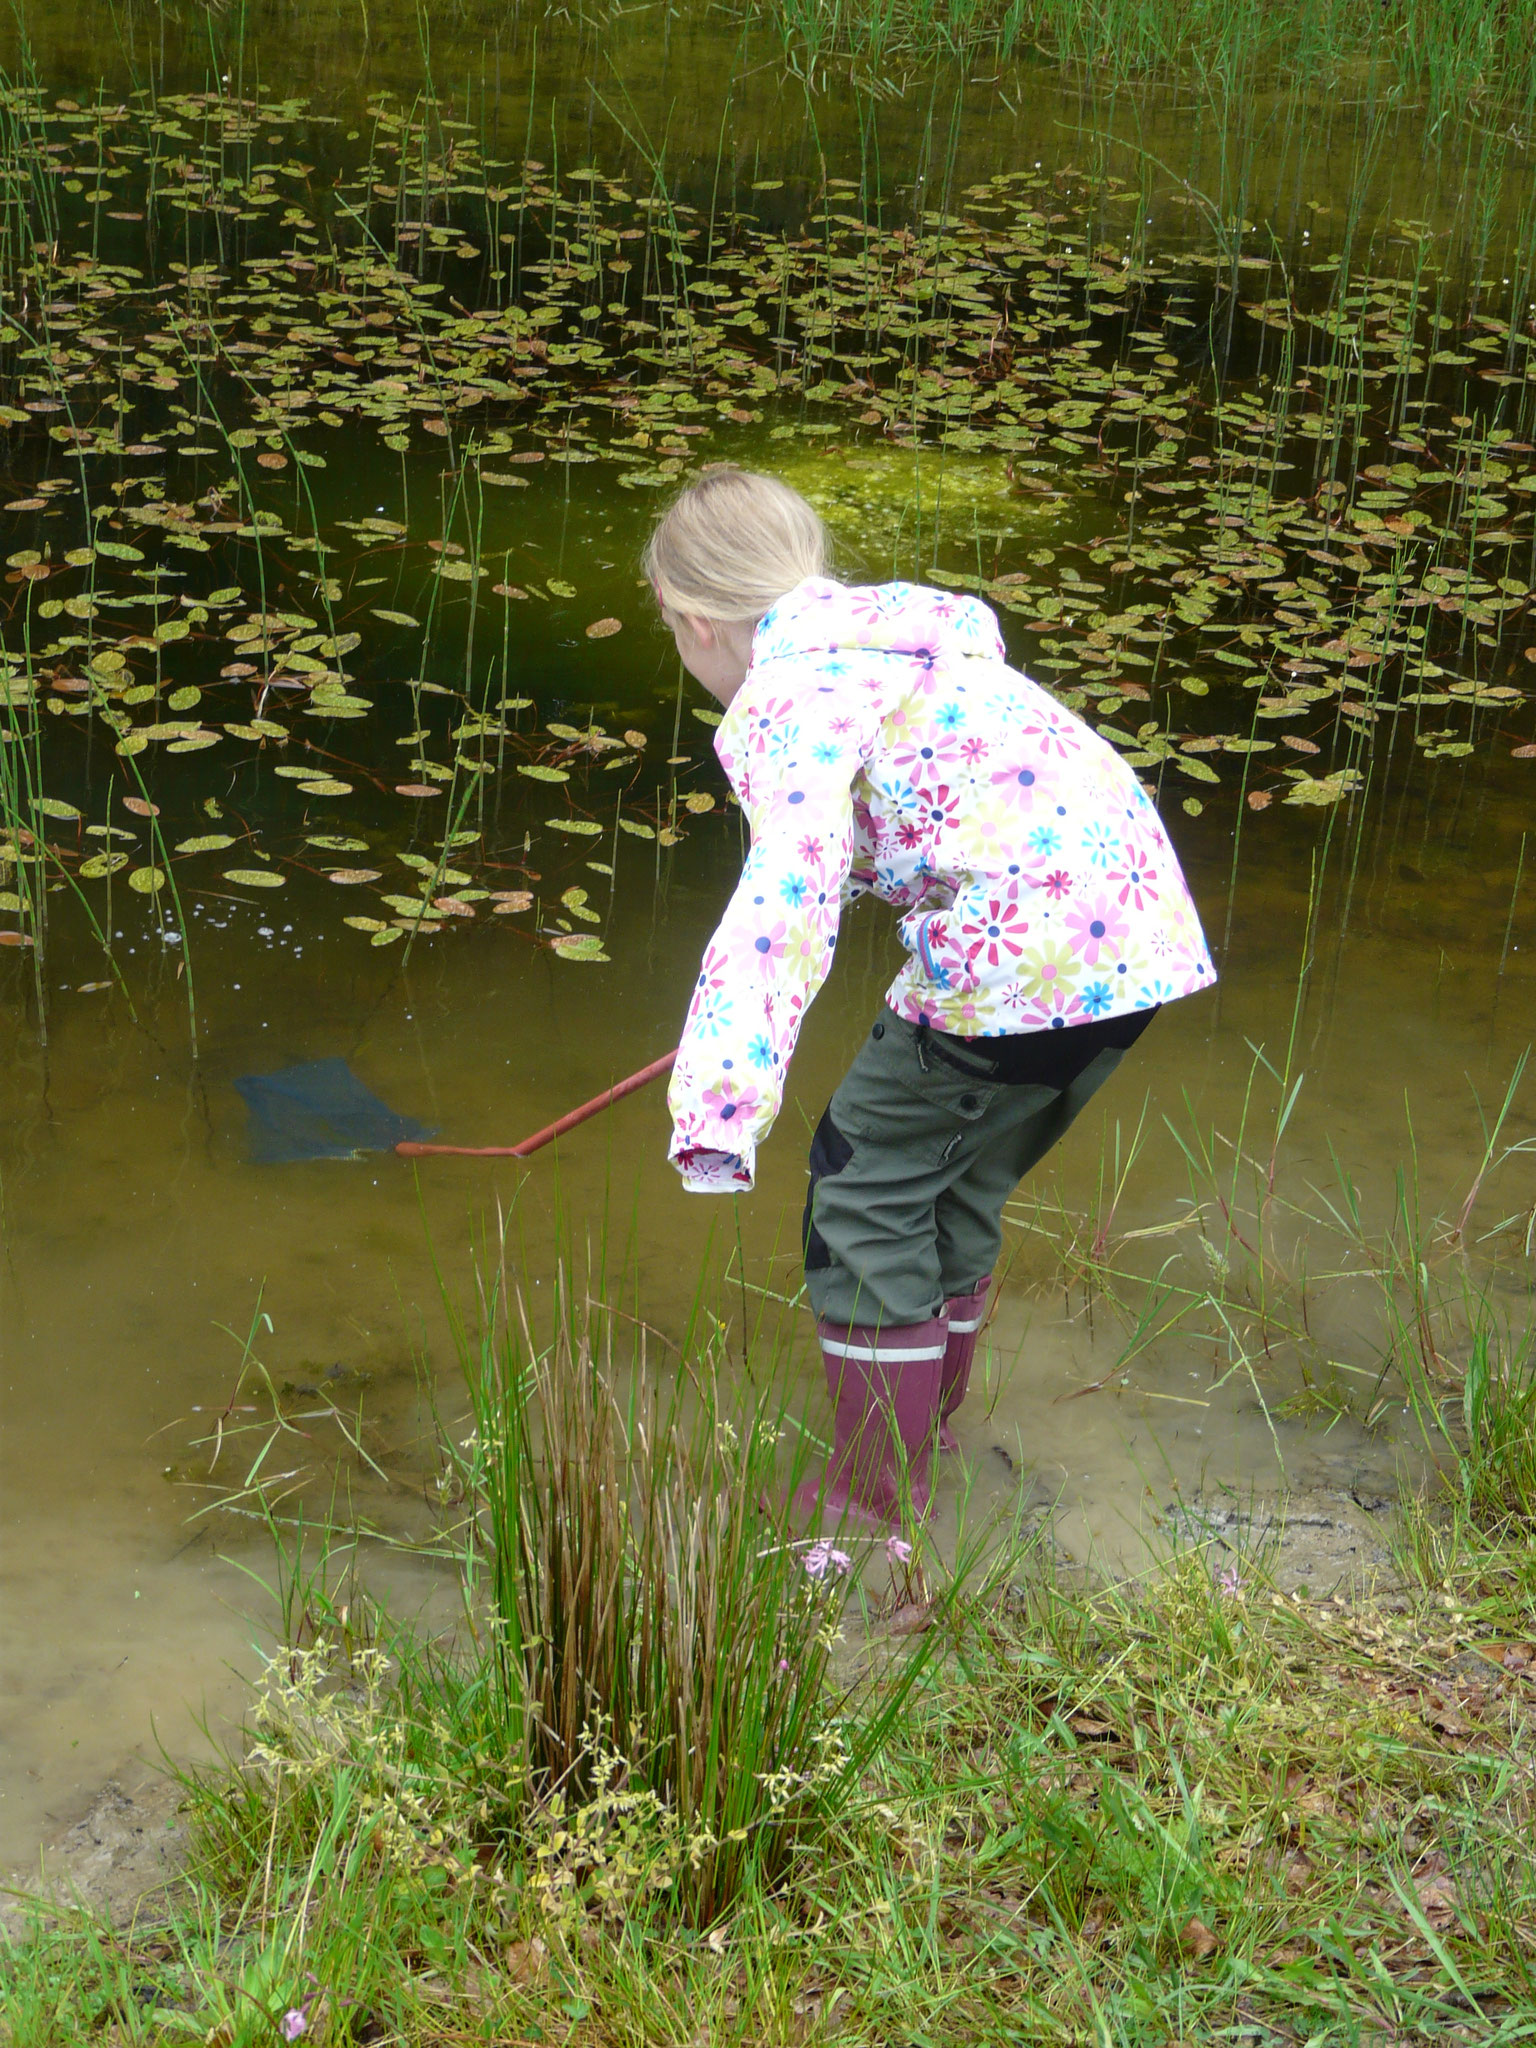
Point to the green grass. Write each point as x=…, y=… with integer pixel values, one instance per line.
x=1126, y=1817
x=1440, y=47
x=645, y=1794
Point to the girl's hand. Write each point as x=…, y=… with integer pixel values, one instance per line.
x=706, y=1172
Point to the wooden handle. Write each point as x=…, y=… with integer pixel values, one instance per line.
x=408, y=1148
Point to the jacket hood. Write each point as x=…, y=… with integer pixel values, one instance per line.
x=820, y=617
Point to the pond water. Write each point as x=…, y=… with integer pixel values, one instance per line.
x=333, y=434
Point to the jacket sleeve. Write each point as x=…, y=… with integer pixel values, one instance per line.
x=792, y=756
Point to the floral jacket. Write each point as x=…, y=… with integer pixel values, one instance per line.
x=880, y=743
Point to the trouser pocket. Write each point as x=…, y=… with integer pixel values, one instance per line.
x=903, y=1096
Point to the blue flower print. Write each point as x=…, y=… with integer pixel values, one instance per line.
x=1044, y=841
x=760, y=1051
x=1101, y=845
x=713, y=1011
x=1096, y=998
x=792, y=889
x=825, y=752
x=949, y=717
x=1155, y=991
x=897, y=793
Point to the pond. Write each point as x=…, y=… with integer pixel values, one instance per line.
x=347, y=358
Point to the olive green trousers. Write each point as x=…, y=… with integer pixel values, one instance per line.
x=910, y=1167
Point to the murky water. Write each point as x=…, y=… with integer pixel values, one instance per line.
x=147, y=1263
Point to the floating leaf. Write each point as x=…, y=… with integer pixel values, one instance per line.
x=1324, y=789
x=147, y=881
x=575, y=901
x=387, y=937
x=348, y=876
x=538, y=772
x=640, y=831
x=509, y=901
x=326, y=786
x=604, y=629
x=332, y=844
x=582, y=946
x=394, y=618
x=210, y=842
x=101, y=864
x=367, y=924
x=587, y=827
x=254, y=878
x=417, y=789
x=556, y=588
x=53, y=807
x=141, y=807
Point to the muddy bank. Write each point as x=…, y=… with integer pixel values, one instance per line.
x=121, y=1859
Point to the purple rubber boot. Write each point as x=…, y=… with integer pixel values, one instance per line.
x=885, y=1386
x=963, y=1317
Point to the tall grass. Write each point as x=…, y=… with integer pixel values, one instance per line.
x=1441, y=47
x=643, y=1701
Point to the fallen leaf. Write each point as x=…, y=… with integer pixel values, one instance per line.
x=604, y=629
x=417, y=789
x=1197, y=1940
x=1260, y=799
x=140, y=808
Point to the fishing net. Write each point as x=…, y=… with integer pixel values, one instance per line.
x=318, y=1110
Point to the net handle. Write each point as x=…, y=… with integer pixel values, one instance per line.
x=410, y=1148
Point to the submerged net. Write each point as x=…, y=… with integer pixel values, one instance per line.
x=318, y=1109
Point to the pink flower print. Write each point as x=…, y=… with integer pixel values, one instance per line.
x=769, y=945
x=1096, y=928
x=864, y=605
x=1136, y=874
x=936, y=809
x=1017, y=785
x=1057, y=884
x=1048, y=967
x=1054, y=732
x=923, y=753
x=998, y=935
x=1053, y=1008
x=810, y=851
x=769, y=718
x=728, y=1102
x=973, y=752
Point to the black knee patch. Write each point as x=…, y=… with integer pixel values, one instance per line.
x=830, y=1153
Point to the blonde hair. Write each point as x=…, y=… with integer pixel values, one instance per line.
x=731, y=543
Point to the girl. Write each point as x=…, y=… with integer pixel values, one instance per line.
x=879, y=742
